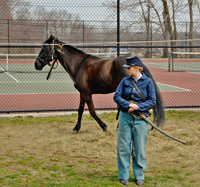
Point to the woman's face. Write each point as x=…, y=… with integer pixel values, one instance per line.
x=131, y=71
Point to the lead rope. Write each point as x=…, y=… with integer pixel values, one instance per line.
x=54, y=61
x=50, y=71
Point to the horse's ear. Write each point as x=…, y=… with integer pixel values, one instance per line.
x=52, y=37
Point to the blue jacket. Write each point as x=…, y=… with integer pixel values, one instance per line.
x=145, y=84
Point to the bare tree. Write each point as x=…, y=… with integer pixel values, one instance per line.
x=147, y=23
x=174, y=21
x=164, y=21
x=167, y=19
x=167, y=25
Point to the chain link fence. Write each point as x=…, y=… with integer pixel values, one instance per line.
x=164, y=34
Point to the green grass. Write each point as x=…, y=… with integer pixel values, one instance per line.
x=44, y=152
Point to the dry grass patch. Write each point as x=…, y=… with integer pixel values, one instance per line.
x=45, y=152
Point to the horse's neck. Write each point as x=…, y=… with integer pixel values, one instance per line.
x=70, y=60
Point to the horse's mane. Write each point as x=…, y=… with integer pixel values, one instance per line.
x=81, y=52
x=73, y=48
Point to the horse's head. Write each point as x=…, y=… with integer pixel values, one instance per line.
x=48, y=53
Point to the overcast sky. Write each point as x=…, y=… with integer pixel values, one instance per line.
x=87, y=9
x=94, y=10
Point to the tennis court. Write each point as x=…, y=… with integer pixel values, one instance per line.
x=22, y=78
x=24, y=88
x=36, y=83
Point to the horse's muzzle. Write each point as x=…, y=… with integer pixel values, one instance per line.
x=38, y=65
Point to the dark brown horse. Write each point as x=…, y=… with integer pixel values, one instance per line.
x=91, y=75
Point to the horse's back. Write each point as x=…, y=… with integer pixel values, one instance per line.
x=103, y=75
x=99, y=75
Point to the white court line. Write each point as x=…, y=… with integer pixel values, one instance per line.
x=39, y=93
x=37, y=82
x=71, y=81
x=10, y=75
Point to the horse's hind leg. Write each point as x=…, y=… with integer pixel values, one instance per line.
x=80, y=113
x=88, y=100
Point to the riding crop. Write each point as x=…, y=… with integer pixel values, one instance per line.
x=154, y=126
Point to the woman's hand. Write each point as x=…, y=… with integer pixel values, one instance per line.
x=132, y=107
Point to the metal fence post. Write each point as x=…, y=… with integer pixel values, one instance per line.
x=118, y=27
x=47, y=35
x=169, y=61
x=83, y=33
x=8, y=35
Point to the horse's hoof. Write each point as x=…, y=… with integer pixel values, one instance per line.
x=75, y=132
x=105, y=129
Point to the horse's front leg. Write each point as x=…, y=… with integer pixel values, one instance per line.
x=80, y=113
x=88, y=100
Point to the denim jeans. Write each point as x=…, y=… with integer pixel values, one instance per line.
x=124, y=146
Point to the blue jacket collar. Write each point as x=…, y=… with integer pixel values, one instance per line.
x=143, y=76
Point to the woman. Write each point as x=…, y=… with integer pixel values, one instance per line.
x=130, y=102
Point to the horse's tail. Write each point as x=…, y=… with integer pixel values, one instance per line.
x=158, y=108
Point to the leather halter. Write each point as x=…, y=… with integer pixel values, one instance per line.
x=54, y=59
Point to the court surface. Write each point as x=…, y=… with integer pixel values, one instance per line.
x=24, y=88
